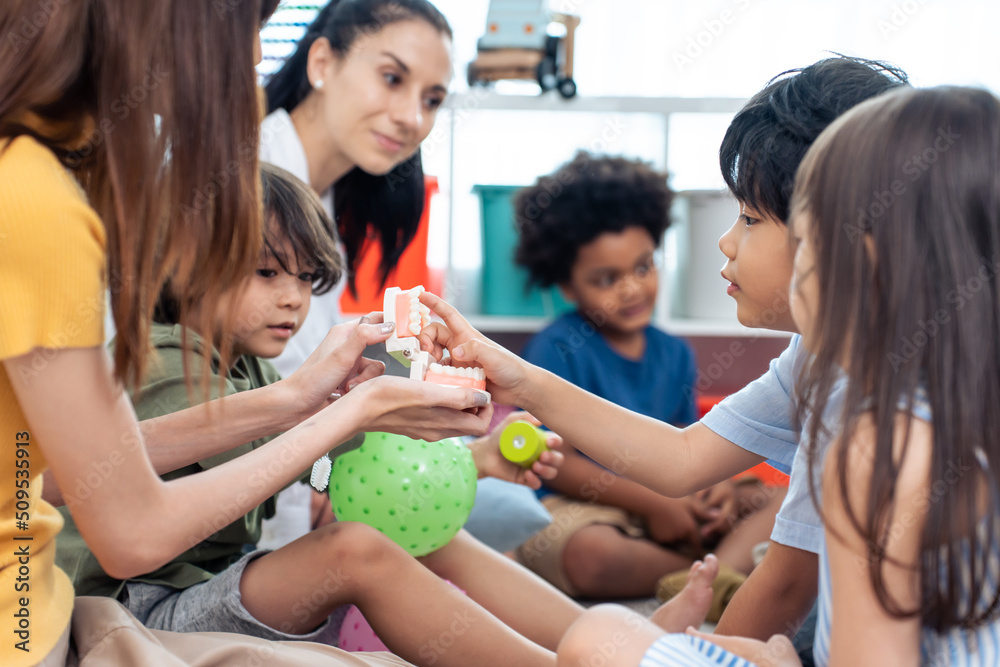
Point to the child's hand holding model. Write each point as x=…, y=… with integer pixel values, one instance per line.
x=404, y=309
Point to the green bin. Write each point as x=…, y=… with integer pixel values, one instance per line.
x=503, y=281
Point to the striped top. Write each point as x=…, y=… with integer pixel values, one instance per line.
x=677, y=650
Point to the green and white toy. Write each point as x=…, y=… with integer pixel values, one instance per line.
x=522, y=443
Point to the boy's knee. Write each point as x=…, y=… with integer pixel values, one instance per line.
x=349, y=542
x=589, y=563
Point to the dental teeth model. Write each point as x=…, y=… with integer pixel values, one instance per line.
x=459, y=377
x=404, y=308
x=410, y=316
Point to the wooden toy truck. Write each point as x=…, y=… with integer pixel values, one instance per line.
x=517, y=45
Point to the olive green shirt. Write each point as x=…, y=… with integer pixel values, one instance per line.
x=165, y=391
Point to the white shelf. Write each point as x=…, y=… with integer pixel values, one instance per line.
x=463, y=108
x=484, y=99
x=692, y=327
x=675, y=326
x=508, y=324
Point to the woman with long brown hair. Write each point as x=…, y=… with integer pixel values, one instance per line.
x=128, y=155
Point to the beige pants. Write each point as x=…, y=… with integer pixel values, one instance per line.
x=542, y=553
x=103, y=633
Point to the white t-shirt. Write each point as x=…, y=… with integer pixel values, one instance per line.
x=280, y=145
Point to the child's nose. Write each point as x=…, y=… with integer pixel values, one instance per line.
x=727, y=242
x=288, y=294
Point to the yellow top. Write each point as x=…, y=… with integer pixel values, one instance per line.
x=52, y=268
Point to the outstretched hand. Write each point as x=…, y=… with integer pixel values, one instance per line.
x=506, y=373
x=421, y=410
x=336, y=366
x=491, y=463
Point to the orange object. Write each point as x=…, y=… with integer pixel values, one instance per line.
x=411, y=269
x=402, y=311
x=762, y=471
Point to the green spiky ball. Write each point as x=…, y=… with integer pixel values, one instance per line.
x=416, y=492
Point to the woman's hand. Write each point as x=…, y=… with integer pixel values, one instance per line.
x=491, y=463
x=775, y=652
x=416, y=409
x=507, y=375
x=336, y=366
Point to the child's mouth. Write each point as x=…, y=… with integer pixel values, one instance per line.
x=635, y=310
x=282, y=330
x=733, y=287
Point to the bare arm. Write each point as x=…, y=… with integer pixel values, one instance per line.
x=184, y=437
x=584, y=480
x=197, y=433
x=671, y=461
x=667, y=520
x=132, y=520
x=863, y=633
x=776, y=597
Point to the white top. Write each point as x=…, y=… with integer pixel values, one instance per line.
x=281, y=146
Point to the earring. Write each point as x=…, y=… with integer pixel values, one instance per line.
x=318, y=85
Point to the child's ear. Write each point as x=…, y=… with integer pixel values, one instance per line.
x=567, y=292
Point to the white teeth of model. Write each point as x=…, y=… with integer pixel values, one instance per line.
x=436, y=368
x=449, y=370
x=414, y=307
x=479, y=373
x=415, y=317
x=414, y=329
x=417, y=290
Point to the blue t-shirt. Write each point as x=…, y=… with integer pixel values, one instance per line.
x=660, y=385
